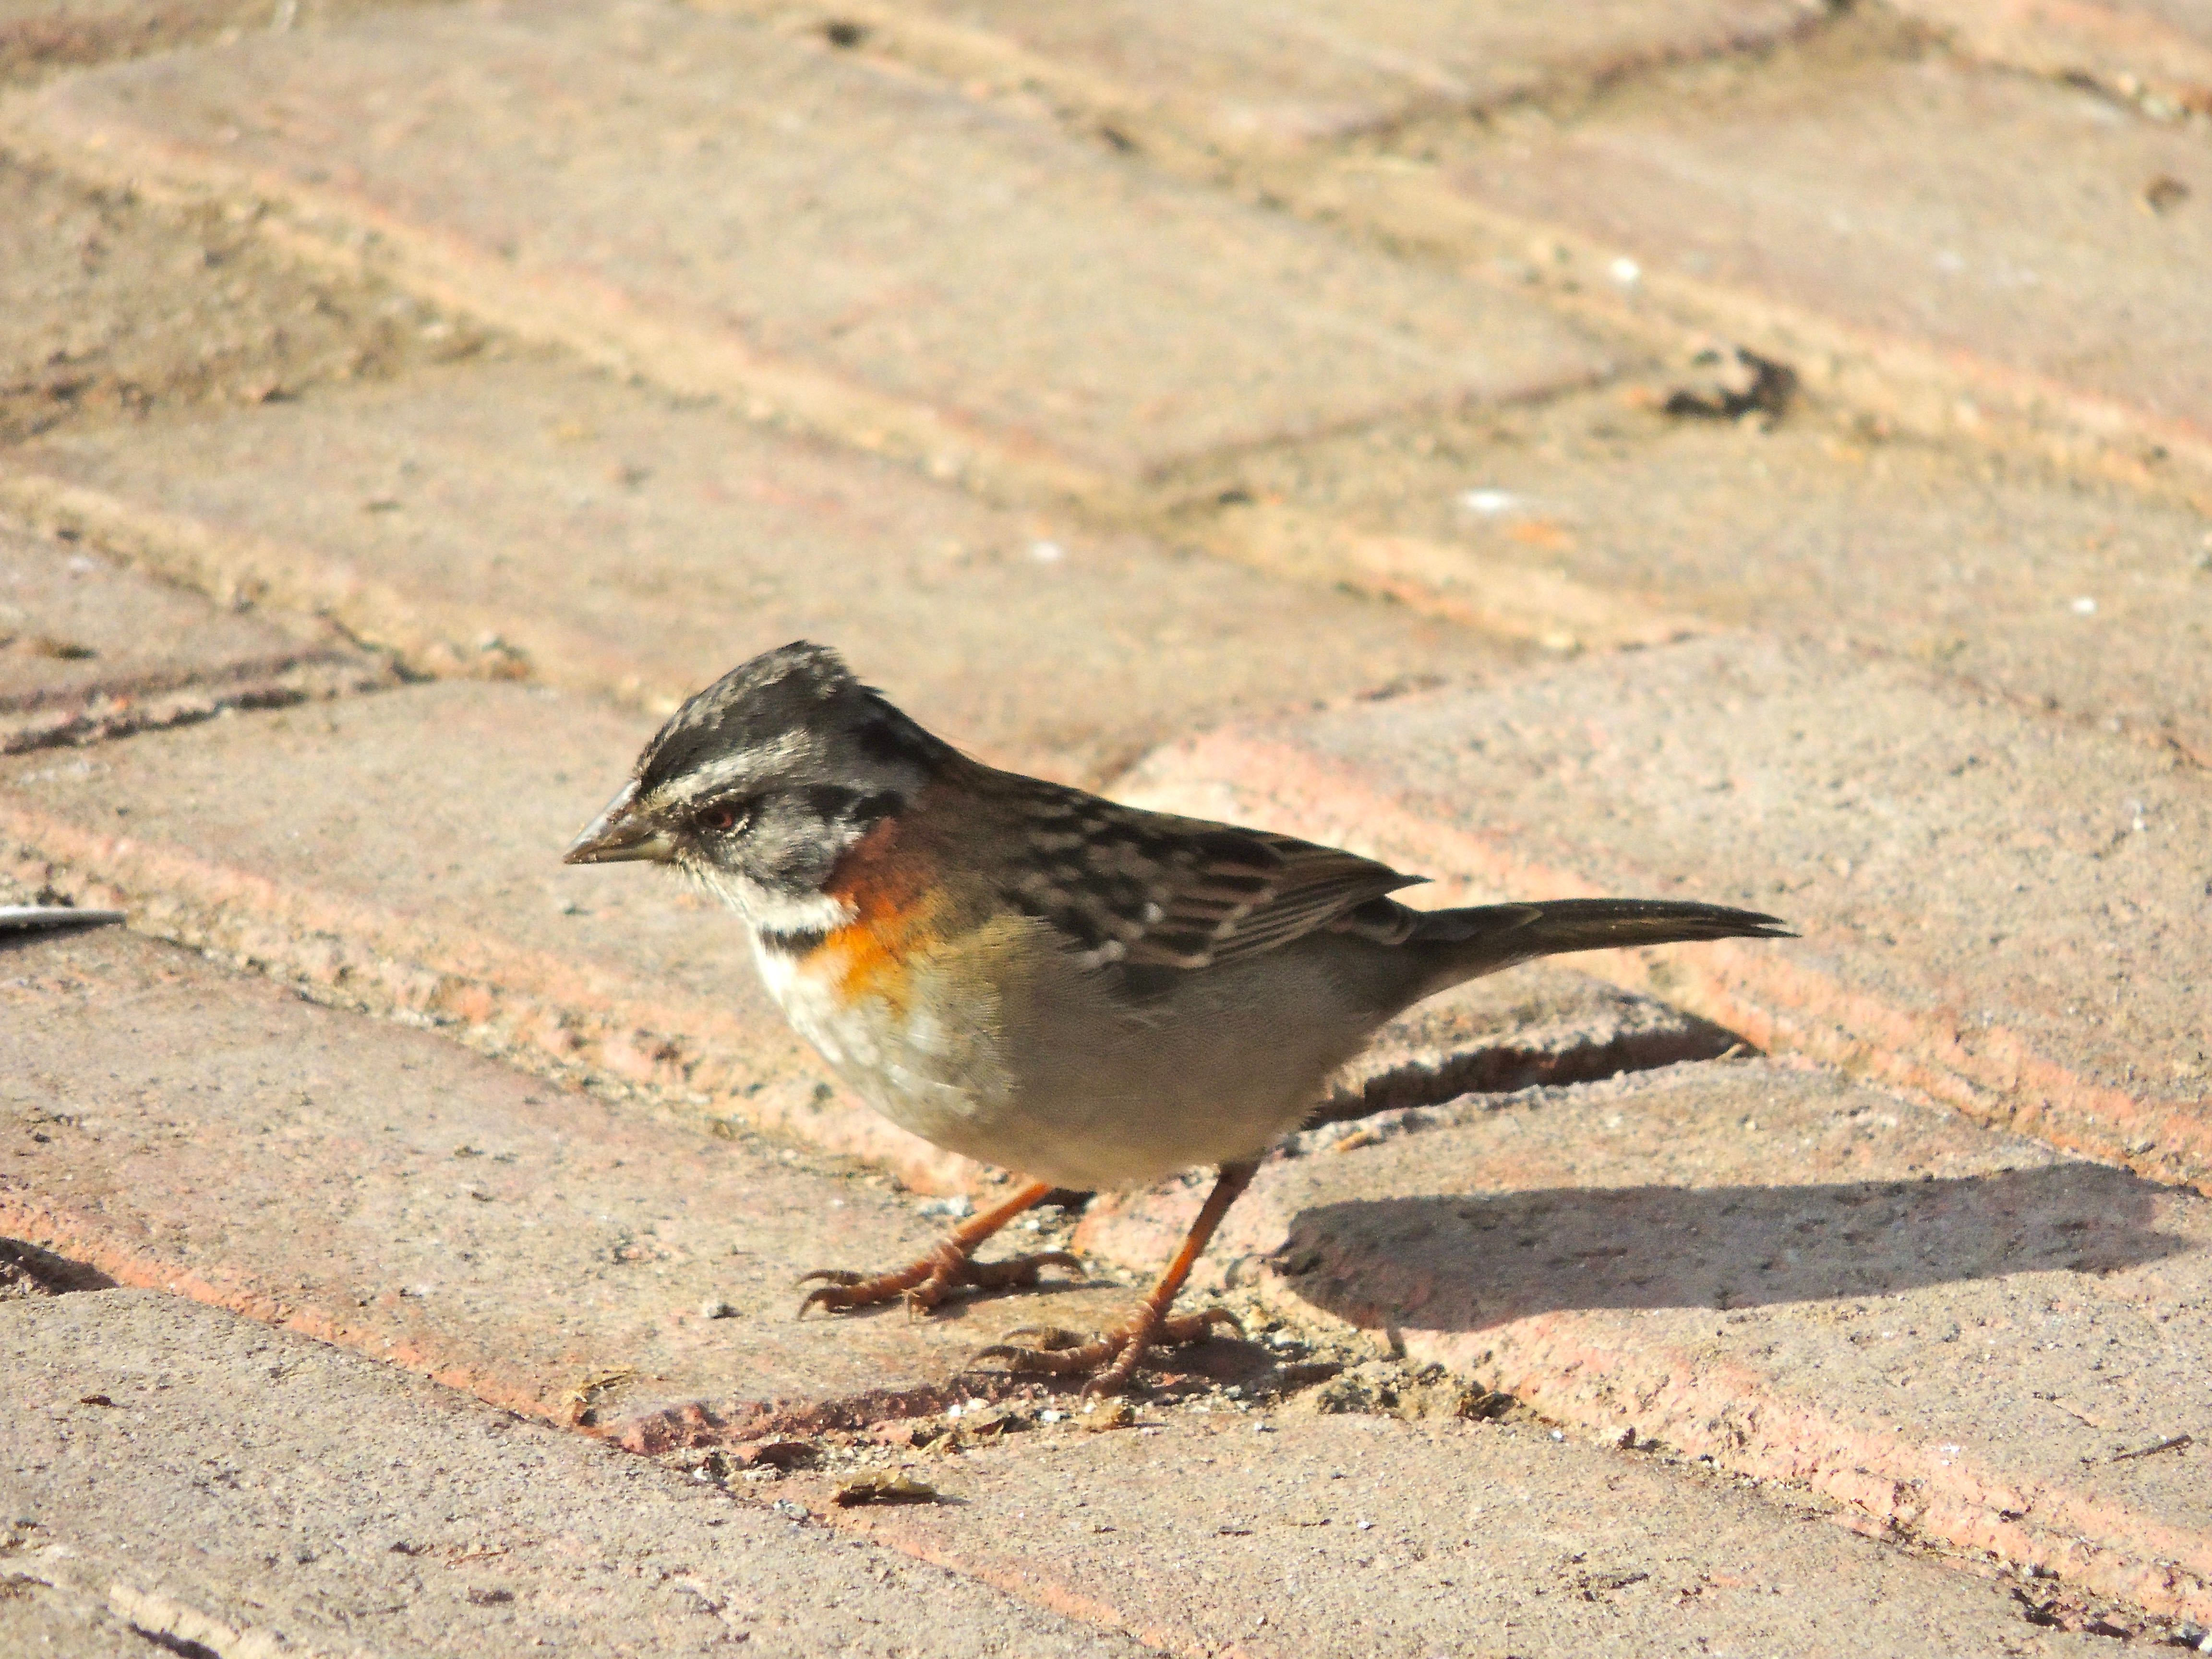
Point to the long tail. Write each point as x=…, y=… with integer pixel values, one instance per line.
x=1486, y=937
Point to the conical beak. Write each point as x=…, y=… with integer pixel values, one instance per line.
x=616, y=836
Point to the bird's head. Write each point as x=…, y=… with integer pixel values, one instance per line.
x=758, y=784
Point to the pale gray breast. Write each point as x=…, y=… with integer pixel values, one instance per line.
x=926, y=1055
x=1006, y=1046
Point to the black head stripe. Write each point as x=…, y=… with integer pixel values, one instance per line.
x=799, y=701
x=830, y=801
x=835, y=804
x=889, y=736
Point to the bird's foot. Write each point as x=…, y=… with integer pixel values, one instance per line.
x=924, y=1283
x=1109, y=1359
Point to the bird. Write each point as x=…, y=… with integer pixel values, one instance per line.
x=1086, y=994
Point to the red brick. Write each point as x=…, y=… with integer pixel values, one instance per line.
x=36, y=37
x=1813, y=527
x=117, y=305
x=521, y=519
x=1347, y=1535
x=1249, y=75
x=89, y=651
x=1982, y=919
x=1967, y=248
x=189, y=1130
x=867, y=252
x=1960, y=1336
x=246, y=1490
x=2160, y=48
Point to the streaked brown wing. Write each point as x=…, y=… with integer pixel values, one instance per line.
x=1149, y=889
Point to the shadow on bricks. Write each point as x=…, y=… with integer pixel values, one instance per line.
x=1470, y=1261
x=28, y=1270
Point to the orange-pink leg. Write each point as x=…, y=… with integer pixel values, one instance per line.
x=1111, y=1358
x=925, y=1283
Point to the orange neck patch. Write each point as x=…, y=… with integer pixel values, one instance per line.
x=891, y=911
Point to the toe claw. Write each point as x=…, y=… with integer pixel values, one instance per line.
x=1196, y=1326
x=1057, y=1362
x=923, y=1299
x=1050, y=1348
x=1021, y=1270
x=834, y=1275
x=1017, y=1357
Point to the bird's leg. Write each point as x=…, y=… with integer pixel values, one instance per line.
x=1112, y=1356
x=925, y=1283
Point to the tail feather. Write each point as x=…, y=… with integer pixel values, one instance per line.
x=1486, y=937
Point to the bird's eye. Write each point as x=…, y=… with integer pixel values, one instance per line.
x=721, y=818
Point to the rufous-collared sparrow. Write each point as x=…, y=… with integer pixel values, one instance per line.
x=1082, y=992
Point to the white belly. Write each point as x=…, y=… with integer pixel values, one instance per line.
x=1047, y=1076
x=940, y=1079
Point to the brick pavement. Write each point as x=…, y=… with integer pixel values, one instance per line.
x=1948, y=289
x=1249, y=76
x=524, y=518
x=118, y=305
x=2000, y=224
x=39, y=38
x=1201, y=368
x=385, y=1516
x=2068, y=595
x=1129, y=322
x=150, y=1489
x=2156, y=53
x=89, y=651
x=1959, y=1335
x=1970, y=303
x=1273, y=1535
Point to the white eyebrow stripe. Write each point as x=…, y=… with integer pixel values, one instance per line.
x=712, y=777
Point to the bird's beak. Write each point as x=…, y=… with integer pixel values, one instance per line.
x=617, y=836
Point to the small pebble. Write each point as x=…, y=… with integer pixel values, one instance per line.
x=716, y=1309
x=1114, y=1415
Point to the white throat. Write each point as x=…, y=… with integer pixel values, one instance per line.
x=768, y=910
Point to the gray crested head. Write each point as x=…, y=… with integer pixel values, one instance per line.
x=758, y=783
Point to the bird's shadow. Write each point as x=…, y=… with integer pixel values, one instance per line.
x=1469, y=1262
